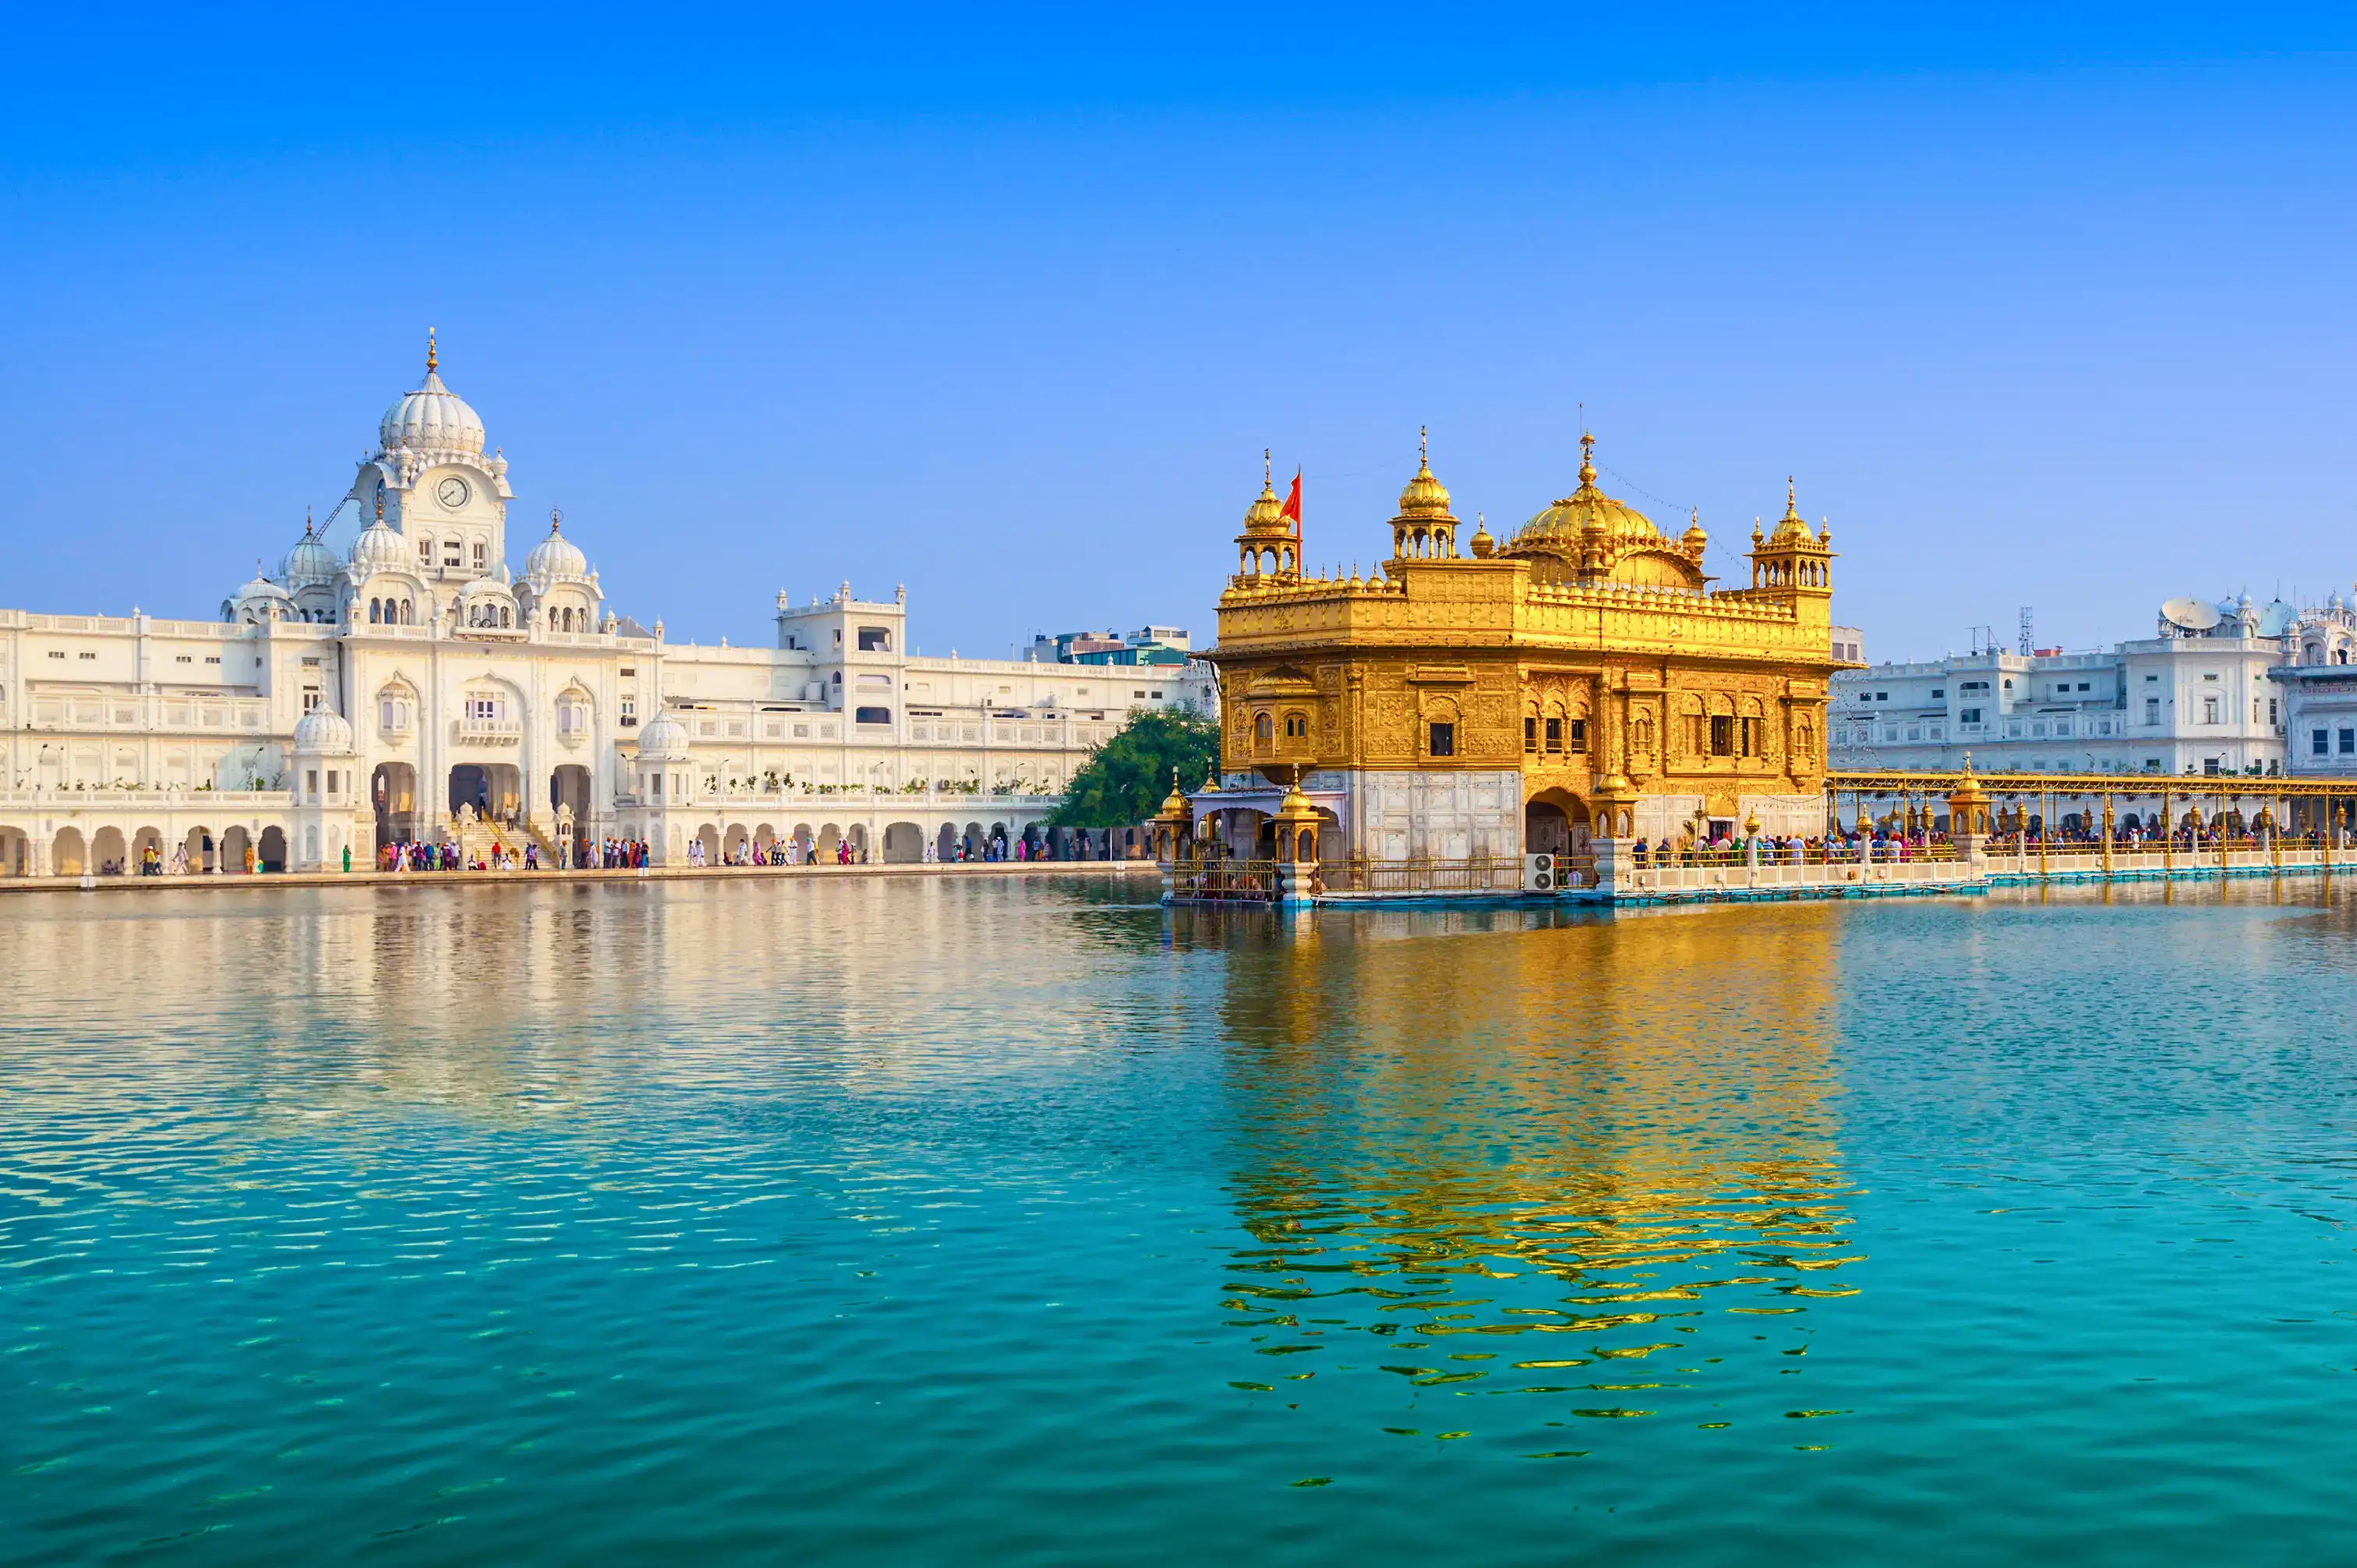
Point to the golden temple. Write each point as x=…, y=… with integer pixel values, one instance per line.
x=1582, y=679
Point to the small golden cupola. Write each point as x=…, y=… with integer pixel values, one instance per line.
x=1791, y=559
x=1423, y=529
x=1268, y=551
x=1483, y=545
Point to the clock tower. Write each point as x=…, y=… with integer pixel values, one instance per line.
x=438, y=490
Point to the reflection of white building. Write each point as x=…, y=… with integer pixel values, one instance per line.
x=2198, y=697
x=398, y=686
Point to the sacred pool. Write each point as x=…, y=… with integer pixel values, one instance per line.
x=927, y=1221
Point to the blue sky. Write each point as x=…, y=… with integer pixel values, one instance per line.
x=2040, y=310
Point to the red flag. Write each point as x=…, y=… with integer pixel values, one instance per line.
x=1292, y=507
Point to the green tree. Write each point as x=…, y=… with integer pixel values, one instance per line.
x=1124, y=782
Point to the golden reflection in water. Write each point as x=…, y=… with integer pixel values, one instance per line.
x=1462, y=1145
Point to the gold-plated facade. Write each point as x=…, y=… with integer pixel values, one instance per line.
x=1584, y=666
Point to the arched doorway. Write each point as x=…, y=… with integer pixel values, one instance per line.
x=569, y=786
x=16, y=852
x=857, y=834
x=494, y=789
x=392, y=791
x=805, y=844
x=67, y=855
x=109, y=854
x=142, y=841
x=709, y=837
x=1556, y=822
x=829, y=838
x=471, y=789
x=904, y=844
x=272, y=852
x=231, y=854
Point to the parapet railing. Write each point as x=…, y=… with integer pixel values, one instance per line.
x=1227, y=881
x=1422, y=873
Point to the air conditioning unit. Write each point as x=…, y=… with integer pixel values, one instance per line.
x=1538, y=874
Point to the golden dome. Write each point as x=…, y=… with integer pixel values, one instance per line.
x=1173, y=804
x=1265, y=514
x=1483, y=545
x=1791, y=528
x=1693, y=539
x=1425, y=499
x=1588, y=514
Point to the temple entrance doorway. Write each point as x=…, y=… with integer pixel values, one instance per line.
x=392, y=791
x=493, y=790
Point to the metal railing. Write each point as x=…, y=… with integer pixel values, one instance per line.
x=1838, y=853
x=1473, y=873
x=1226, y=881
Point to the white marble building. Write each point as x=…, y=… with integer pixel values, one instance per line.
x=391, y=689
x=2201, y=696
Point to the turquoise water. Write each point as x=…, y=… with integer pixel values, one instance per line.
x=912, y=1222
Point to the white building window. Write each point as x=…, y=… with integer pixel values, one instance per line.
x=2208, y=710
x=424, y=550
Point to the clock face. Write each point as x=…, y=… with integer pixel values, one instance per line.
x=451, y=492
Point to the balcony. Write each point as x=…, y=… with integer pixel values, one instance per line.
x=491, y=731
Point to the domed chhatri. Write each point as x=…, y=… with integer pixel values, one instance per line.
x=555, y=556
x=311, y=561
x=665, y=739
x=1268, y=551
x=378, y=548
x=323, y=732
x=1266, y=513
x=431, y=419
x=1423, y=528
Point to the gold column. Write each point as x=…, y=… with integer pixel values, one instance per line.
x=2168, y=835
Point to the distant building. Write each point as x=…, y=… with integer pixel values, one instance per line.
x=411, y=685
x=1166, y=646
x=2319, y=690
x=1849, y=645
x=2204, y=695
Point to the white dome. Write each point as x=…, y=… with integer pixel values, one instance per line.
x=263, y=589
x=433, y=418
x=665, y=739
x=310, y=561
x=323, y=732
x=555, y=556
x=377, y=548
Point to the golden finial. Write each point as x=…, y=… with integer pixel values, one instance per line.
x=1267, y=472
x=306, y=522
x=555, y=518
x=1587, y=458
x=1423, y=446
x=1791, y=510
x=380, y=504
x=431, y=361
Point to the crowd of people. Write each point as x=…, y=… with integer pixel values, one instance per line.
x=611, y=854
